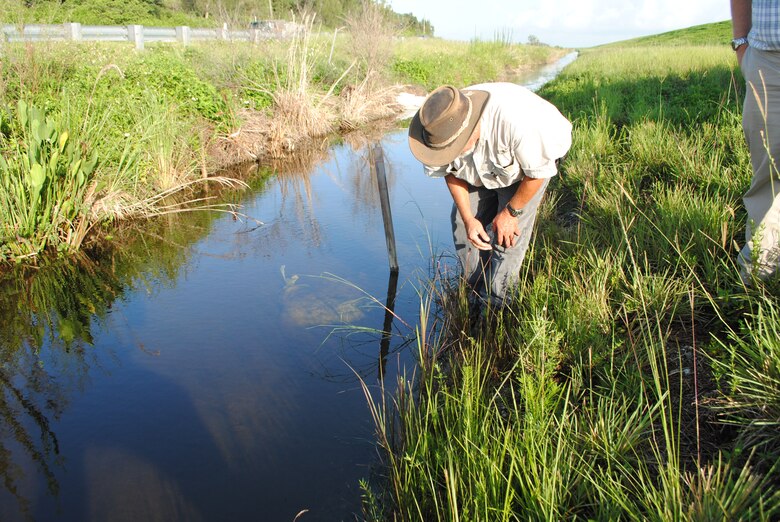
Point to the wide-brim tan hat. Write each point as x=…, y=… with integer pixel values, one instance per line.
x=441, y=128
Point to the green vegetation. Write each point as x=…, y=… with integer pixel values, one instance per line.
x=433, y=62
x=98, y=12
x=45, y=177
x=91, y=134
x=634, y=376
x=199, y=13
x=707, y=34
x=114, y=134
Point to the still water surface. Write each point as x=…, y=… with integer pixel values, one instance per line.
x=210, y=371
x=217, y=388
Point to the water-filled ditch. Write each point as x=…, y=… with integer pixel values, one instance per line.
x=211, y=370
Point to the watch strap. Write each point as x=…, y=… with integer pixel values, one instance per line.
x=736, y=43
x=514, y=212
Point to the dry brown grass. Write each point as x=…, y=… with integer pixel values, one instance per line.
x=297, y=117
x=301, y=112
x=366, y=102
x=118, y=204
x=371, y=37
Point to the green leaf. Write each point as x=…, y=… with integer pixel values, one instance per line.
x=50, y=130
x=45, y=130
x=63, y=140
x=37, y=178
x=53, y=161
x=36, y=130
x=23, y=114
x=75, y=168
x=90, y=164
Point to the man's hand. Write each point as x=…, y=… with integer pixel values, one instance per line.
x=505, y=227
x=477, y=235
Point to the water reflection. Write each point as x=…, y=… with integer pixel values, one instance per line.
x=387, y=325
x=185, y=372
x=48, y=315
x=535, y=79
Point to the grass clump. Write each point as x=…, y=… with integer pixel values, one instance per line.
x=749, y=361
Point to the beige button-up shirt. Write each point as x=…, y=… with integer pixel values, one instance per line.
x=522, y=134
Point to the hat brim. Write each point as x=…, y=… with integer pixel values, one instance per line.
x=445, y=155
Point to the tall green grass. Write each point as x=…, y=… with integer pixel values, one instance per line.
x=633, y=376
x=432, y=62
x=89, y=139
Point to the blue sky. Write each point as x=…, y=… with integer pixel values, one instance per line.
x=568, y=23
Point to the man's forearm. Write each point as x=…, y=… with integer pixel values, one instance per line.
x=459, y=190
x=741, y=12
x=526, y=190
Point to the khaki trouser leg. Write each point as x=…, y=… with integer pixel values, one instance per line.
x=761, y=122
x=491, y=273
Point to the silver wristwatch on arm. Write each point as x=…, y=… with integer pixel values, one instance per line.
x=736, y=43
x=514, y=212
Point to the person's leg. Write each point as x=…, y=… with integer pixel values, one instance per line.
x=504, y=268
x=484, y=204
x=761, y=123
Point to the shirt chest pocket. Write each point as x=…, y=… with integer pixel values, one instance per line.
x=506, y=166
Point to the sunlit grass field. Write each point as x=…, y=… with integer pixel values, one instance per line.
x=634, y=376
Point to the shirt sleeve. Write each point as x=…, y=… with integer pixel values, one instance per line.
x=538, y=149
x=534, y=131
x=435, y=172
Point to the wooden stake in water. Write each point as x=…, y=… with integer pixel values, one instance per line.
x=384, y=198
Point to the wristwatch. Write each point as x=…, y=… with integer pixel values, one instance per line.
x=514, y=212
x=736, y=43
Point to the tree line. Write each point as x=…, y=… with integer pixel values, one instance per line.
x=199, y=13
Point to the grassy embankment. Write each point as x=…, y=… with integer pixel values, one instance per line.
x=634, y=377
x=92, y=134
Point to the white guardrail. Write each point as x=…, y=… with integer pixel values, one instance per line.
x=139, y=34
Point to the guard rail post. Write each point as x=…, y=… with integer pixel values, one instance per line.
x=183, y=35
x=135, y=34
x=72, y=31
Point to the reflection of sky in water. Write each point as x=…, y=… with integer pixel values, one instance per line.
x=207, y=399
x=211, y=397
x=534, y=80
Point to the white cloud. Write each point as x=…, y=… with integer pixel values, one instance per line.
x=589, y=22
x=564, y=22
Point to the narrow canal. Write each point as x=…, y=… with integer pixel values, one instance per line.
x=209, y=368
